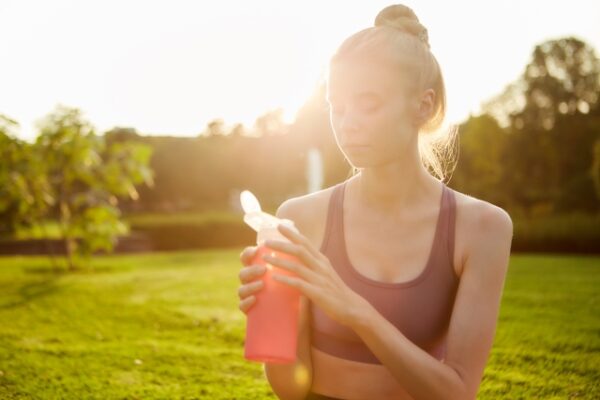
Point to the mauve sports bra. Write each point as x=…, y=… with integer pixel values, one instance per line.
x=420, y=308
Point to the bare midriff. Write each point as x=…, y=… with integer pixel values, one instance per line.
x=353, y=380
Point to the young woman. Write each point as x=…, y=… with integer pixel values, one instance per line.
x=401, y=276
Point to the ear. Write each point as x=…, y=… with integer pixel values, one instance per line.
x=423, y=107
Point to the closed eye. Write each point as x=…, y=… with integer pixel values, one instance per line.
x=371, y=108
x=369, y=104
x=366, y=103
x=335, y=108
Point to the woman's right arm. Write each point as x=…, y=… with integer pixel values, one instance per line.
x=293, y=381
x=289, y=381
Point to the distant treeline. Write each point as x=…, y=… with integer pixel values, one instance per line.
x=535, y=150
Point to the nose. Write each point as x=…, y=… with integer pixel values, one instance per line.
x=348, y=122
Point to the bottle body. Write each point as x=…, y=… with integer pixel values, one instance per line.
x=272, y=321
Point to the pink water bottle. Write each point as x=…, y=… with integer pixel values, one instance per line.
x=272, y=321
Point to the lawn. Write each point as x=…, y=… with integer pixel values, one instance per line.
x=166, y=325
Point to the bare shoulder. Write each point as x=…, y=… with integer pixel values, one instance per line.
x=480, y=227
x=309, y=213
x=485, y=232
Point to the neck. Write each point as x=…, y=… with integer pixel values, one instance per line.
x=395, y=187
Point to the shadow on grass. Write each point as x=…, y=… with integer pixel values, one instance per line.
x=31, y=291
x=57, y=272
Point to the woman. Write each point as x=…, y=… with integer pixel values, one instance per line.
x=401, y=276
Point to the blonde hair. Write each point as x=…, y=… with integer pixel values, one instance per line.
x=399, y=38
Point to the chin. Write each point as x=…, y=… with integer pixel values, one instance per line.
x=356, y=163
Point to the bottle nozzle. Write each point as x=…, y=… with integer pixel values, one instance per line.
x=257, y=219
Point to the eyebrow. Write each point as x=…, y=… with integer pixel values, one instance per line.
x=362, y=94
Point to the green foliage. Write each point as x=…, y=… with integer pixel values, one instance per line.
x=595, y=168
x=24, y=191
x=561, y=78
x=483, y=148
x=542, y=160
x=574, y=232
x=73, y=175
x=87, y=177
x=208, y=173
x=98, y=226
x=167, y=326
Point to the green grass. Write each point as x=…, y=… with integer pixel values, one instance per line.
x=162, y=326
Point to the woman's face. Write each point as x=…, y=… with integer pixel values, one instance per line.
x=370, y=112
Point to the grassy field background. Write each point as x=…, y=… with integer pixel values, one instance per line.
x=167, y=326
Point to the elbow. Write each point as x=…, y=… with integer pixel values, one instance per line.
x=466, y=393
x=463, y=389
x=462, y=393
x=288, y=382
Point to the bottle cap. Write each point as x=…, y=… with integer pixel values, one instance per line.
x=263, y=223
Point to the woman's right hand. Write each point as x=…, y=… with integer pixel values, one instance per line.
x=249, y=278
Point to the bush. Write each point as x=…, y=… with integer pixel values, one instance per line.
x=575, y=232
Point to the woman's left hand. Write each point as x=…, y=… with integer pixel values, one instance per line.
x=316, y=278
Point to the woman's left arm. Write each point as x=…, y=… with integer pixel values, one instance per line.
x=472, y=326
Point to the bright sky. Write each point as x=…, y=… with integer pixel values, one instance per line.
x=169, y=67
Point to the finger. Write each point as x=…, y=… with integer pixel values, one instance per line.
x=247, y=303
x=250, y=288
x=247, y=254
x=299, y=238
x=251, y=272
x=309, y=290
x=299, y=269
x=298, y=250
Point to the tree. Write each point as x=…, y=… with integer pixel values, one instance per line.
x=214, y=128
x=271, y=123
x=595, y=170
x=237, y=131
x=483, y=152
x=552, y=120
x=86, y=176
x=118, y=134
x=24, y=192
x=563, y=77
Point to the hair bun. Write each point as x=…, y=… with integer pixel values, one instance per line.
x=403, y=18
